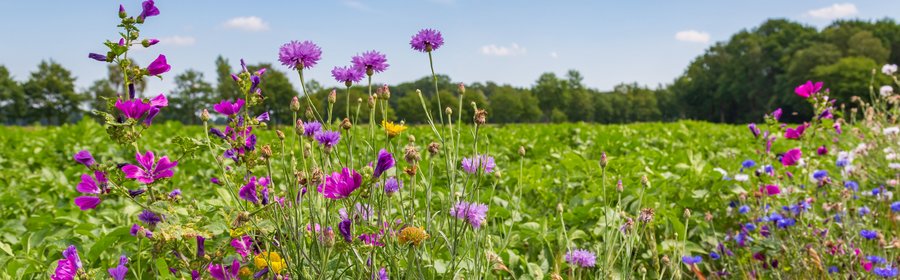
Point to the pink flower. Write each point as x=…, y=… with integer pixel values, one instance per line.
x=770, y=190
x=150, y=170
x=791, y=157
x=792, y=133
x=808, y=89
x=158, y=66
x=340, y=185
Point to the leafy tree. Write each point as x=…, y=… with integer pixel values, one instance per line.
x=12, y=99
x=854, y=74
x=190, y=96
x=99, y=93
x=50, y=92
x=226, y=88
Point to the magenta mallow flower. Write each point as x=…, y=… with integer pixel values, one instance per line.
x=85, y=157
x=150, y=170
x=327, y=138
x=385, y=162
x=474, y=213
x=119, y=272
x=344, y=229
x=581, y=258
x=808, y=89
x=242, y=245
x=776, y=114
x=248, y=191
x=753, y=129
x=340, y=185
x=298, y=55
x=483, y=163
x=156, y=104
x=792, y=133
x=67, y=267
x=94, y=186
x=228, y=108
x=158, y=66
x=347, y=75
x=371, y=62
x=791, y=157
x=149, y=9
x=427, y=40
x=221, y=272
x=133, y=109
x=770, y=190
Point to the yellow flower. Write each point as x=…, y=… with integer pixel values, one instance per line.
x=245, y=272
x=413, y=235
x=392, y=129
x=269, y=259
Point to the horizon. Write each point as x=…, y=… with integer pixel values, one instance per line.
x=478, y=49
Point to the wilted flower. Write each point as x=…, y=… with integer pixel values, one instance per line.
x=581, y=258
x=340, y=185
x=97, y=57
x=427, y=40
x=753, y=129
x=248, y=191
x=85, y=157
x=298, y=55
x=474, y=213
x=344, y=228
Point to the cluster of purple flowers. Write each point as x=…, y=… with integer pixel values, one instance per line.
x=581, y=258
x=473, y=213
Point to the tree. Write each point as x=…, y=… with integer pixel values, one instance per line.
x=853, y=74
x=99, y=94
x=551, y=93
x=190, y=96
x=865, y=44
x=12, y=99
x=226, y=87
x=50, y=92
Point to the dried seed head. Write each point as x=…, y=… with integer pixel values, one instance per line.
x=646, y=215
x=411, y=154
x=708, y=217
x=480, y=116
x=522, y=151
x=434, y=148
x=316, y=177
x=266, y=151
x=665, y=259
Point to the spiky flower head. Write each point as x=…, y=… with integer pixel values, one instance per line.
x=299, y=55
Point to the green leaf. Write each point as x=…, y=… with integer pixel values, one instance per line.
x=163, y=269
x=5, y=247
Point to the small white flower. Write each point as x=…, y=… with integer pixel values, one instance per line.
x=894, y=165
x=889, y=69
x=741, y=177
x=886, y=91
x=891, y=156
x=891, y=130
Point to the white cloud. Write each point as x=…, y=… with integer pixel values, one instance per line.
x=178, y=41
x=495, y=50
x=250, y=23
x=834, y=11
x=554, y=54
x=357, y=5
x=692, y=36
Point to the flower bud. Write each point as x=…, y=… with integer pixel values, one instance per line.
x=448, y=111
x=122, y=13
x=559, y=207
x=345, y=124
x=332, y=97
x=204, y=116
x=687, y=212
x=603, y=160
x=645, y=182
x=385, y=92
x=522, y=151
x=280, y=134
x=299, y=128
x=462, y=88
x=411, y=138
x=295, y=104
x=372, y=101
x=480, y=116
x=149, y=42
x=309, y=113
x=619, y=186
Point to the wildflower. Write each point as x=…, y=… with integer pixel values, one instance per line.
x=875, y=259
x=150, y=170
x=385, y=162
x=413, y=235
x=646, y=215
x=299, y=55
x=886, y=91
x=392, y=129
x=691, y=260
x=411, y=154
x=269, y=260
x=770, y=190
x=786, y=222
x=889, y=69
x=483, y=162
x=776, y=114
x=67, y=267
x=833, y=269
x=371, y=239
x=714, y=255
x=347, y=75
x=822, y=150
x=819, y=175
x=97, y=57
x=427, y=40
x=201, y=246
x=868, y=234
x=242, y=245
x=149, y=42
x=791, y=157
x=149, y=10
x=474, y=213
x=371, y=62
x=741, y=177
x=747, y=164
x=891, y=130
x=119, y=272
x=480, y=116
x=229, y=109
x=753, y=129
x=864, y=211
x=220, y=272
x=750, y=227
x=248, y=191
x=327, y=138
x=886, y=272
x=340, y=185
x=581, y=258
x=91, y=185
x=158, y=66
x=344, y=229
x=895, y=206
x=310, y=129
x=382, y=274
x=392, y=185
x=744, y=209
x=156, y=104
x=808, y=89
x=132, y=109
x=149, y=218
x=792, y=133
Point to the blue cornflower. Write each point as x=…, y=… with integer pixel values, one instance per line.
x=876, y=191
x=744, y=209
x=833, y=269
x=875, y=259
x=886, y=272
x=895, y=206
x=864, y=211
x=750, y=227
x=852, y=185
x=868, y=234
x=785, y=223
x=691, y=260
x=748, y=164
x=820, y=174
x=714, y=256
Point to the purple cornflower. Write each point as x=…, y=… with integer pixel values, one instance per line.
x=691, y=260
x=875, y=259
x=328, y=138
x=149, y=218
x=298, y=55
x=371, y=62
x=371, y=239
x=91, y=185
x=242, y=245
x=474, y=213
x=885, y=272
x=382, y=274
x=864, y=211
x=175, y=193
x=215, y=180
x=85, y=157
x=119, y=272
x=347, y=75
x=67, y=267
x=149, y=172
x=483, y=162
x=133, y=109
x=97, y=57
x=149, y=10
x=311, y=128
x=228, y=108
x=385, y=162
x=427, y=40
x=392, y=185
x=220, y=272
x=868, y=234
x=340, y=185
x=786, y=222
x=344, y=228
x=581, y=258
x=248, y=191
x=158, y=66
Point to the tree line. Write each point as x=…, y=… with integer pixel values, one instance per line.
x=733, y=81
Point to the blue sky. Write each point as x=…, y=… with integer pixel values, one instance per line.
x=650, y=42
